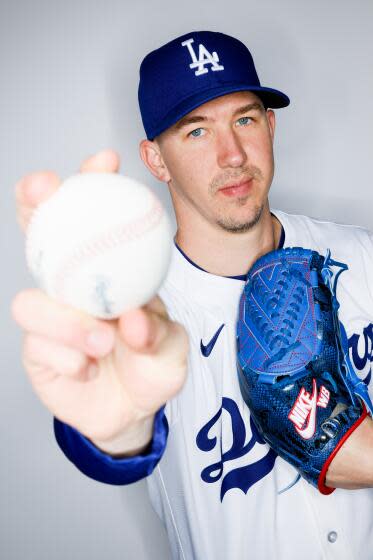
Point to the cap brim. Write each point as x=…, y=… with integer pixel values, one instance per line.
x=272, y=98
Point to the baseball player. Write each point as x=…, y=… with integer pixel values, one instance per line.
x=155, y=394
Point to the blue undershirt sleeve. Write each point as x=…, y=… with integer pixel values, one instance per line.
x=102, y=467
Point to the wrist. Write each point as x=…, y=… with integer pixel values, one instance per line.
x=134, y=440
x=352, y=467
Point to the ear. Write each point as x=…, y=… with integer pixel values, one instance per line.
x=271, y=119
x=151, y=156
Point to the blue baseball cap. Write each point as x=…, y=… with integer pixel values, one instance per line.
x=193, y=69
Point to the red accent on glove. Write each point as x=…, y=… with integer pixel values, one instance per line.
x=321, y=481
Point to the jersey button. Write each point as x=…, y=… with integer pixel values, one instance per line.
x=332, y=536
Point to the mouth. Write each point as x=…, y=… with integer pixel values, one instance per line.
x=239, y=189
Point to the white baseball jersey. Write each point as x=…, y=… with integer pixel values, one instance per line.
x=221, y=492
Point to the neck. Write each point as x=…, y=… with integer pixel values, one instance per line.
x=229, y=254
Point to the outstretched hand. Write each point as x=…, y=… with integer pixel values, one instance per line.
x=105, y=378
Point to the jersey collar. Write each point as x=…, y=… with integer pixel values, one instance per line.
x=191, y=281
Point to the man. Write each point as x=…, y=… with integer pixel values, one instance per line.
x=125, y=406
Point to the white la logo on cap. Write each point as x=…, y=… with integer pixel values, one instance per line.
x=204, y=57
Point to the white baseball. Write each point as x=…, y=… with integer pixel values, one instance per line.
x=101, y=243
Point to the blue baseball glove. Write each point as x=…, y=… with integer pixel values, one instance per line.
x=294, y=371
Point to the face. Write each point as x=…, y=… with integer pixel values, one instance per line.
x=218, y=162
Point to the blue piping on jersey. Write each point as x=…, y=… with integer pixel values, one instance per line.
x=241, y=276
x=188, y=259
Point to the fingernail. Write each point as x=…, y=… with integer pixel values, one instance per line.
x=100, y=341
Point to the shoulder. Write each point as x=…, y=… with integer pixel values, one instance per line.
x=348, y=244
x=320, y=235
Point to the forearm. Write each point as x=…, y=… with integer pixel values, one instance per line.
x=352, y=467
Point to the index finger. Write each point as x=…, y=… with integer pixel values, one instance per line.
x=32, y=190
x=39, y=314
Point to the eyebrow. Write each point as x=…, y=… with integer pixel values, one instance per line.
x=250, y=107
x=185, y=121
x=189, y=120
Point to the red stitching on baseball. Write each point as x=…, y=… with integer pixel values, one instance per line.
x=108, y=240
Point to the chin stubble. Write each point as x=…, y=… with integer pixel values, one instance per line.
x=235, y=227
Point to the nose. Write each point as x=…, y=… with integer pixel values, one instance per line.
x=230, y=151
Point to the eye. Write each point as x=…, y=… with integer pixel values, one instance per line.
x=244, y=120
x=197, y=132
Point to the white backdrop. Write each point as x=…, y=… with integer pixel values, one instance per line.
x=69, y=88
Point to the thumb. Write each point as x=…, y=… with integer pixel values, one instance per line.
x=143, y=329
